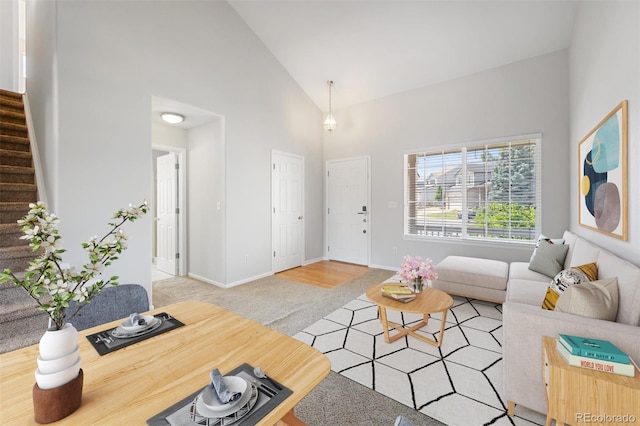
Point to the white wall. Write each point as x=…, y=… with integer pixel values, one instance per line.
x=521, y=98
x=112, y=58
x=604, y=70
x=9, y=39
x=42, y=89
x=206, y=182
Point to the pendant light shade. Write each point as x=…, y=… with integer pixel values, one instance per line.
x=330, y=122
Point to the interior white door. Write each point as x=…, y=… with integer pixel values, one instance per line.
x=167, y=218
x=348, y=210
x=287, y=192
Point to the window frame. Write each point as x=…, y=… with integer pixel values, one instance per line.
x=463, y=148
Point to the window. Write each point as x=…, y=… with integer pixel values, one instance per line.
x=482, y=191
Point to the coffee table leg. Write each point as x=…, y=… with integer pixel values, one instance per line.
x=385, y=323
x=442, y=324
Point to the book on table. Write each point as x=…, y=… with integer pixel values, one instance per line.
x=400, y=297
x=396, y=289
x=595, y=364
x=593, y=348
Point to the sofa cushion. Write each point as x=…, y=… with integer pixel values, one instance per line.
x=526, y=291
x=521, y=271
x=628, y=276
x=563, y=280
x=594, y=299
x=549, y=258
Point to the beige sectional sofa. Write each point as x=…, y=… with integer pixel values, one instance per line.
x=525, y=322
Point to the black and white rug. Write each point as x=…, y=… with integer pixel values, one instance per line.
x=459, y=383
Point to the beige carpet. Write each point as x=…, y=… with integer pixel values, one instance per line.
x=290, y=307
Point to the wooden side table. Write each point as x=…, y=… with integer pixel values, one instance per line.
x=579, y=396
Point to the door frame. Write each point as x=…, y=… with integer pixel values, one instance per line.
x=302, y=202
x=326, y=203
x=181, y=154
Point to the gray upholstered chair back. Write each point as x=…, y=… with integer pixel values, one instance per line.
x=114, y=302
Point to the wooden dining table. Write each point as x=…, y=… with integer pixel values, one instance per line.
x=134, y=383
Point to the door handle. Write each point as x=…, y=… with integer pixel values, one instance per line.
x=299, y=217
x=364, y=231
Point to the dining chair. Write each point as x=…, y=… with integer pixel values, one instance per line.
x=114, y=302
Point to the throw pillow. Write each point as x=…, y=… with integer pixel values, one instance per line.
x=589, y=269
x=542, y=237
x=563, y=280
x=595, y=299
x=549, y=258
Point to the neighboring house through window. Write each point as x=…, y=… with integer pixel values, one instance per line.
x=493, y=185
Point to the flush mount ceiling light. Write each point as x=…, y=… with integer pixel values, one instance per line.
x=172, y=117
x=330, y=122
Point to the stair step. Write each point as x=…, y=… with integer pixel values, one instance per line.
x=10, y=234
x=10, y=212
x=13, y=174
x=18, y=192
x=13, y=129
x=16, y=258
x=23, y=332
x=15, y=158
x=9, y=94
x=12, y=116
x=15, y=143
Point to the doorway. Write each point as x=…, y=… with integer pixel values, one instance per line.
x=168, y=210
x=287, y=201
x=348, y=210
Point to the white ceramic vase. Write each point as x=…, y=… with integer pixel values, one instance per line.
x=59, y=362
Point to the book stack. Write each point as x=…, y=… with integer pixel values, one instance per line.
x=595, y=354
x=400, y=293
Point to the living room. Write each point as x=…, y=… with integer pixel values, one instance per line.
x=94, y=68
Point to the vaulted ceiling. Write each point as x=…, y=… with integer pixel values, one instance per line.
x=375, y=48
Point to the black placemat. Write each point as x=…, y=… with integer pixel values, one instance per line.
x=264, y=405
x=106, y=345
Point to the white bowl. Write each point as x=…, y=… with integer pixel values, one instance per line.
x=54, y=380
x=48, y=366
x=127, y=326
x=234, y=383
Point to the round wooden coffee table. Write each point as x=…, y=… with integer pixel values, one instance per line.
x=429, y=301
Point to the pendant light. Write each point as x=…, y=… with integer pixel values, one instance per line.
x=330, y=122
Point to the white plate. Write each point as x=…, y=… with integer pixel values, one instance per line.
x=123, y=334
x=203, y=410
x=133, y=328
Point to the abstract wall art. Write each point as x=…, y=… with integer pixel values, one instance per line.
x=602, y=156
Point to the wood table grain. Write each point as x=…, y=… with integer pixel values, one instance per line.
x=132, y=384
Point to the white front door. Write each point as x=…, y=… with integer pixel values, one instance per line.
x=348, y=210
x=166, y=220
x=287, y=196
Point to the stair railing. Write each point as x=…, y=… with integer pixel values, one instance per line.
x=37, y=165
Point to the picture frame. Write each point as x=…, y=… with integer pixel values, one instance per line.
x=602, y=174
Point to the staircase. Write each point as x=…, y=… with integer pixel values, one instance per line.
x=21, y=323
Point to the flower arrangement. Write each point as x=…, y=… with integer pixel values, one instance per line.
x=46, y=275
x=414, y=269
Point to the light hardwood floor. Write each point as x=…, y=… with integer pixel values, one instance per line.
x=326, y=273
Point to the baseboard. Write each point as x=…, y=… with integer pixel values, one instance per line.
x=388, y=268
x=206, y=280
x=310, y=261
x=246, y=280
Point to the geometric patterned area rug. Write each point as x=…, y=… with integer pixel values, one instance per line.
x=459, y=383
